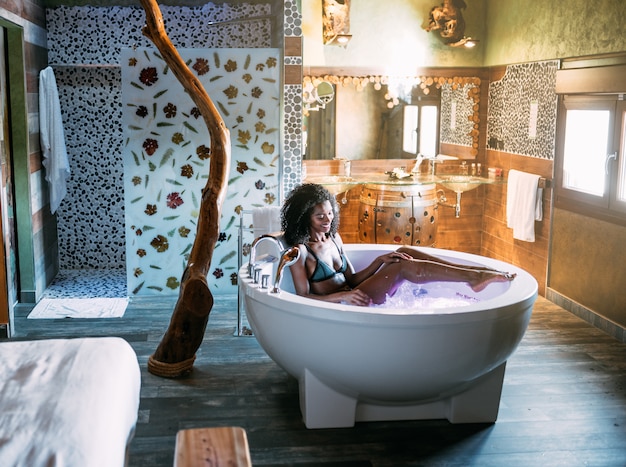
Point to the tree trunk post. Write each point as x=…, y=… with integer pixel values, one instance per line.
x=176, y=353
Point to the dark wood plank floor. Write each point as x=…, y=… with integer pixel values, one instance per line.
x=563, y=401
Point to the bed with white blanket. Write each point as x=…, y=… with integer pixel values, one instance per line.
x=67, y=402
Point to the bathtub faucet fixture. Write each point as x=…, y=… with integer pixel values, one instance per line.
x=257, y=241
x=287, y=258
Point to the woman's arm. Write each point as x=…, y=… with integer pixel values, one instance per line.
x=355, y=278
x=299, y=273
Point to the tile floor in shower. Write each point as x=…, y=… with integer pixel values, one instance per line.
x=88, y=283
x=110, y=283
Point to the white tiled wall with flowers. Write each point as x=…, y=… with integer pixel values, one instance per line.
x=167, y=155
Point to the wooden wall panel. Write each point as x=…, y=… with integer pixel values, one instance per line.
x=349, y=216
x=497, y=240
x=481, y=227
x=587, y=266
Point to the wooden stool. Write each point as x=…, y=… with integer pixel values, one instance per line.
x=211, y=447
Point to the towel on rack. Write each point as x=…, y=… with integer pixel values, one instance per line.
x=52, y=138
x=523, y=204
x=266, y=220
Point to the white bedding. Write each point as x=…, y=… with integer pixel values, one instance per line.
x=67, y=402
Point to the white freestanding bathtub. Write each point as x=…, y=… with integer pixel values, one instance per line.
x=365, y=364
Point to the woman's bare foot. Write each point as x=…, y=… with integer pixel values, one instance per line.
x=486, y=277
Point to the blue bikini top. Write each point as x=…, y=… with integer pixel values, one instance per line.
x=322, y=270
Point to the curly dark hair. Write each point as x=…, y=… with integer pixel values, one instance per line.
x=298, y=207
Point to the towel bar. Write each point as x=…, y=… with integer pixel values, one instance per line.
x=544, y=183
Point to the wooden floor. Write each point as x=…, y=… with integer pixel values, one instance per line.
x=563, y=401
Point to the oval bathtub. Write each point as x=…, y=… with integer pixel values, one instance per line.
x=365, y=363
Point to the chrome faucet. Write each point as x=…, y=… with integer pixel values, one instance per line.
x=255, y=244
x=432, y=160
x=433, y=163
x=347, y=168
x=287, y=258
x=347, y=165
x=457, y=206
x=419, y=158
x=443, y=201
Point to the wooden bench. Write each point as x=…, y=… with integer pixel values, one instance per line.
x=212, y=446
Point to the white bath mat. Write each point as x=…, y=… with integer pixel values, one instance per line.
x=51, y=308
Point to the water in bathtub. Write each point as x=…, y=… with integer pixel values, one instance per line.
x=437, y=295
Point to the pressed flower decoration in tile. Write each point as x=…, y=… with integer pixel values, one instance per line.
x=167, y=151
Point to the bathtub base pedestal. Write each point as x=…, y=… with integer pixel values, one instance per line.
x=324, y=407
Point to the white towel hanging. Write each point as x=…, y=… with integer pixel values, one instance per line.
x=523, y=204
x=52, y=138
x=266, y=220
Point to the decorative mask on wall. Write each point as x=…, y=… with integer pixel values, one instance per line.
x=448, y=20
x=336, y=22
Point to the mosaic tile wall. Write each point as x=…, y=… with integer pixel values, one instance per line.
x=525, y=94
x=292, y=147
x=292, y=108
x=456, y=129
x=96, y=35
x=91, y=218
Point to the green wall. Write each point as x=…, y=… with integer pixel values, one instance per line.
x=390, y=37
x=390, y=34
x=521, y=31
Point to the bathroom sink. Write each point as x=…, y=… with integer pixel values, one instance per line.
x=462, y=183
x=334, y=183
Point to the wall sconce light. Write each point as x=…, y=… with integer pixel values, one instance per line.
x=448, y=20
x=316, y=94
x=336, y=22
x=466, y=42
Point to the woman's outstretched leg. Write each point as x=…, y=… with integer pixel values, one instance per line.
x=429, y=270
x=385, y=281
x=419, y=254
x=425, y=268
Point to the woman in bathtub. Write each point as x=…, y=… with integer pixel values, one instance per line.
x=310, y=219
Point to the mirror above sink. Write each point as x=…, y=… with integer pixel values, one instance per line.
x=375, y=116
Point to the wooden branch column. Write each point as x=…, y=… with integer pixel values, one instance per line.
x=176, y=353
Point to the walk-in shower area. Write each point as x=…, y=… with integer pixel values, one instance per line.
x=88, y=283
x=90, y=218
x=120, y=225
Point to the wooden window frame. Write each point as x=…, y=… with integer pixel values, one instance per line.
x=585, y=81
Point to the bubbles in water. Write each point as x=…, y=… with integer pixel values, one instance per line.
x=428, y=297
